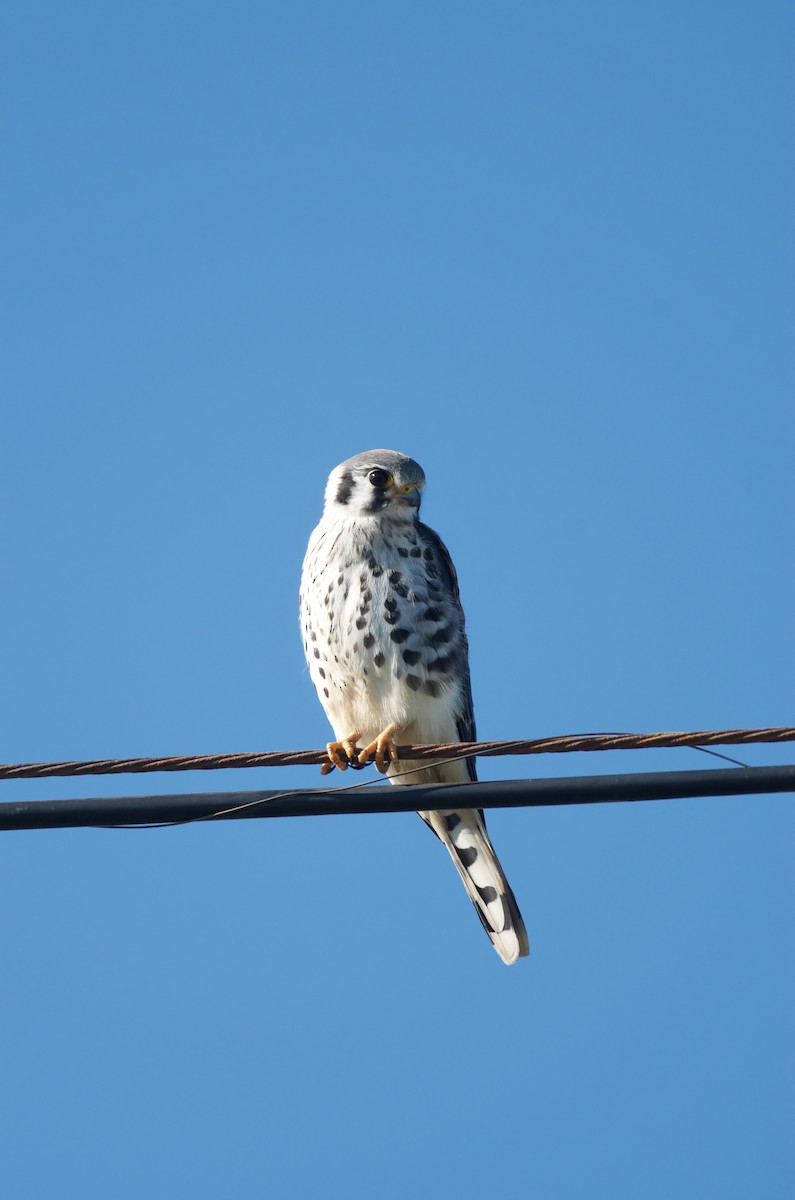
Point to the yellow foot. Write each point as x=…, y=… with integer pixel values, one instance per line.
x=342, y=754
x=384, y=749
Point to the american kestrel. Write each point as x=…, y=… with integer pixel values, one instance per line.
x=384, y=638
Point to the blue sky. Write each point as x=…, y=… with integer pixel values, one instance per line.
x=547, y=250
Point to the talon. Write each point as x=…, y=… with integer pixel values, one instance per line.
x=342, y=754
x=384, y=750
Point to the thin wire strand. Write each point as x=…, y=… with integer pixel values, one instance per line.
x=224, y=812
x=423, y=753
x=345, y=787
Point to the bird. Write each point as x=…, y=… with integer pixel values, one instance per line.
x=386, y=646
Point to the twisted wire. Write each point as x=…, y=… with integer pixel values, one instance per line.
x=290, y=758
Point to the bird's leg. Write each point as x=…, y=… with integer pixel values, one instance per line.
x=384, y=749
x=342, y=754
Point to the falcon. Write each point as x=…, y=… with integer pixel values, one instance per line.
x=384, y=638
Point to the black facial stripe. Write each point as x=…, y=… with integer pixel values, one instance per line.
x=345, y=488
x=377, y=501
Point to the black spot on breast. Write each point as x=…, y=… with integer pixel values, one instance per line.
x=316, y=652
x=416, y=552
x=399, y=635
x=390, y=617
x=340, y=579
x=394, y=577
x=325, y=692
x=390, y=604
x=431, y=687
x=403, y=552
x=441, y=637
x=413, y=682
x=427, y=554
x=411, y=657
x=367, y=596
x=379, y=659
x=360, y=622
x=344, y=490
x=368, y=640
x=432, y=614
x=442, y=664
x=321, y=673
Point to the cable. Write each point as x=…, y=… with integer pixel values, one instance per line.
x=289, y=758
x=516, y=793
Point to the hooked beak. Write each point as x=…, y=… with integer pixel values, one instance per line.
x=409, y=495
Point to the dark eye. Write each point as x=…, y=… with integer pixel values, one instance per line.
x=379, y=478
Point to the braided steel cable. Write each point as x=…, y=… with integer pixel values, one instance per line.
x=289, y=758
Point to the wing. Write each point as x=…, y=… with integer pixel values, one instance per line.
x=440, y=559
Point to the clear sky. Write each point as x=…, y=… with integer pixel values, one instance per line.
x=547, y=250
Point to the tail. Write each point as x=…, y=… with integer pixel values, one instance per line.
x=464, y=834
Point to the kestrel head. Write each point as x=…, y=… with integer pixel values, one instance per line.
x=373, y=483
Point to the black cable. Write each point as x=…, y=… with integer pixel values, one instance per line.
x=515, y=793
